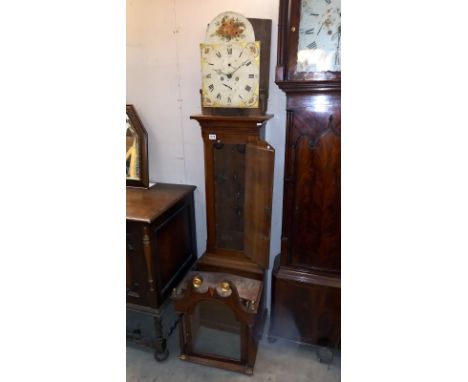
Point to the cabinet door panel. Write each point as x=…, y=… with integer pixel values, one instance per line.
x=316, y=223
x=260, y=159
x=172, y=247
x=137, y=291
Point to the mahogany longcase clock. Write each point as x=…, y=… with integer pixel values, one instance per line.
x=306, y=276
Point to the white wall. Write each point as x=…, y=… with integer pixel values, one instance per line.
x=163, y=82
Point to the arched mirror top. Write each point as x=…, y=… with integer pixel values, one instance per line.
x=136, y=150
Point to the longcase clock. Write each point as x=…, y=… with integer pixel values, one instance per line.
x=306, y=276
x=222, y=301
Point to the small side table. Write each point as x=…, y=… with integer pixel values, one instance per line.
x=161, y=248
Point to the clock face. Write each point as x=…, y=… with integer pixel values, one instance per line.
x=319, y=47
x=230, y=74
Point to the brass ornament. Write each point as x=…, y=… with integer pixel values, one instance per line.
x=197, y=281
x=224, y=289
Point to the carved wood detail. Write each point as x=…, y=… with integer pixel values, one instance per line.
x=147, y=253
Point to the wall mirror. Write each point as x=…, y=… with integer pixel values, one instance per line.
x=137, y=151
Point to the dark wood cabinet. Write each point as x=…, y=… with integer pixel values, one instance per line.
x=161, y=247
x=306, y=277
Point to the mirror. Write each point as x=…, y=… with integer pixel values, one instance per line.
x=136, y=157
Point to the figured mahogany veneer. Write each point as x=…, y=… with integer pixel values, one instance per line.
x=306, y=289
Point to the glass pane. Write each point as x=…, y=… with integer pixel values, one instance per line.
x=229, y=169
x=216, y=330
x=319, y=46
x=132, y=155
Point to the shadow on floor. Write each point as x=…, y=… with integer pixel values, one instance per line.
x=278, y=362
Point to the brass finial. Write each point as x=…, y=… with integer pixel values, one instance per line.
x=225, y=287
x=197, y=281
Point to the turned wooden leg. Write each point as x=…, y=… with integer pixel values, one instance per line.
x=160, y=349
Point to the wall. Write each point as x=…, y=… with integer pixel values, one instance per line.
x=163, y=80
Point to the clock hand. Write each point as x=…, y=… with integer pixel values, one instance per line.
x=218, y=71
x=320, y=29
x=240, y=66
x=227, y=86
x=338, y=44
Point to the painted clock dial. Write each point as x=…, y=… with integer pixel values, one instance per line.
x=230, y=74
x=229, y=27
x=319, y=47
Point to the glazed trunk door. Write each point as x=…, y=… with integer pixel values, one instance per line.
x=258, y=198
x=316, y=228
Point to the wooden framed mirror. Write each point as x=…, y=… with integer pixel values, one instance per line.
x=136, y=151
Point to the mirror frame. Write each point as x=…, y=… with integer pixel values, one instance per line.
x=143, y=182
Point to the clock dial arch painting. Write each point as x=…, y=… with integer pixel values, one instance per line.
x=229, y=27
x=230, y=74
x=319, y=45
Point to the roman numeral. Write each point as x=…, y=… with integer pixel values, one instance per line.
x=218, y=54
x=211, y=87
x=314, y=14
x=218, y=96
x=208, y=75
x=248, y=63
x=229, y=50
x=312, y=45
x=229, y=100
x=242, y=51
x=251, y=75
x=309, y=31
x=328, y=1
x=248, y=88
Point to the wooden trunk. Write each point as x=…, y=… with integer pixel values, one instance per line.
x=239, y=185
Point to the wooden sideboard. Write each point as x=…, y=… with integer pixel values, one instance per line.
x=161, y=248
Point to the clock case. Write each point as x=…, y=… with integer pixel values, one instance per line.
x=306, y=278
x=287, y=76
x=239, y=166
x=239, y=185
x=262, y=30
